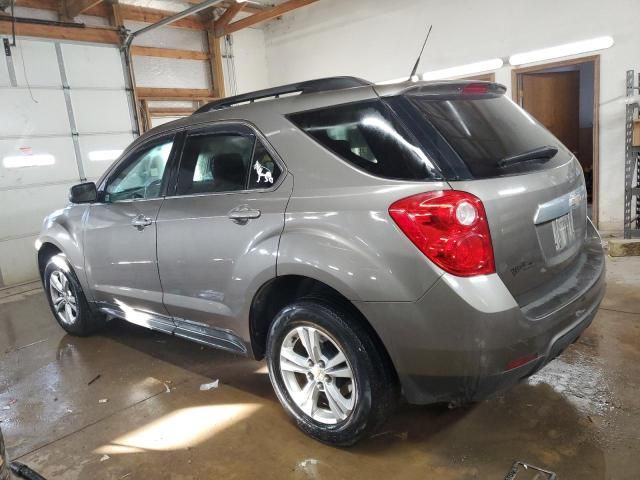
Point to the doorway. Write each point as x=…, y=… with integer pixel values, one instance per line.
x=564, y=97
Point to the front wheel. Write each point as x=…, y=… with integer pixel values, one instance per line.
x=328, y=373
x=67, y=300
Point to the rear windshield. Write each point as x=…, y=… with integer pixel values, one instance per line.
x=482, y=131
x=369, y=136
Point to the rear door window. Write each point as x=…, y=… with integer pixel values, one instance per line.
x=368, y=136
x=215, y=162
x=483, y=131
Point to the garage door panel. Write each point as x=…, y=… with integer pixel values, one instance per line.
x=40, y=67
x=101, y=111
x=21, y=116
x=91, y=66
x=18, y=261
x=64, y=167
x=100, y=151
x=29, y=206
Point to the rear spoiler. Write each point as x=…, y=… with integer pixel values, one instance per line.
x=455, y=88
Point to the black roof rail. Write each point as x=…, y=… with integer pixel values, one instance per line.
x=309, y=86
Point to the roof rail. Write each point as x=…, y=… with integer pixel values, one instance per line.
x=309, y=86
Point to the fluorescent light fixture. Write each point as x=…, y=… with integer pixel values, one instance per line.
x=415, y=78
x=19, y=161
x=104, y=155
x=566, y=50
x=464, y=70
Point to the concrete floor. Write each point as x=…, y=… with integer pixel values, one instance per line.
x=577, y=417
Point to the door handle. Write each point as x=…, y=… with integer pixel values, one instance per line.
x=243, y=214
x=140, y=222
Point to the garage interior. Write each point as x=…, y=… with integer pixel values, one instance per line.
x=128, y=403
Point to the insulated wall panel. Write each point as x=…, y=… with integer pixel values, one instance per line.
x=160, y=72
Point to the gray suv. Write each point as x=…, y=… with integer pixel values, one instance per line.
x=429, y=240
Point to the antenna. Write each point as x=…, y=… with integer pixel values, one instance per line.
x=415, y=67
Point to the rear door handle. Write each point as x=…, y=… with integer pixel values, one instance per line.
x=140, y=222
x=243, y=214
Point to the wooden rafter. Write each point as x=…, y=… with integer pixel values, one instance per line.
x=226, y=18
x=265, y=15
x=127, y=12
x=170, y=112
x=215, y=64
x=87, y=34
x=189, y=94
x=73, y=8
x=168, y=53
x=250, y=8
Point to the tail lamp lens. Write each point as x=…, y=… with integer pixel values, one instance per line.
x=450, y=228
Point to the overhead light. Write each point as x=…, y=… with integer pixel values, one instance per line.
x=415, y=78
x=464, y=70
x=104, y=155
x=19, y=161
x=559, y=51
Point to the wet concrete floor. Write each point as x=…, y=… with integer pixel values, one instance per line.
x=146, y=418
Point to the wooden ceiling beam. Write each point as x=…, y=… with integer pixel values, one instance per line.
x=250, y=8
x=189, y=94
x=169, y=53
x=80, y=34
x=226, y=18
x=265, y=15
x=170, y=112
x=127, y=12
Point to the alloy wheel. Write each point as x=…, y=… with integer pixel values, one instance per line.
x=317, y=375
x=63, y=299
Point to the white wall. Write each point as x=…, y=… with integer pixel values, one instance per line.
x=380, y=41
x=248, y=49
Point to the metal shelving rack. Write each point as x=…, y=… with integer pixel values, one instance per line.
x=631, y=164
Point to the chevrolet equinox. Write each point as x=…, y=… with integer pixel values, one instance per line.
x=424, y=239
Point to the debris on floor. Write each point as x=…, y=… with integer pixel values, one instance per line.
x=208, y=386
x=524, y=471
x=103, y=400
x=94, y=379
x=104, y=458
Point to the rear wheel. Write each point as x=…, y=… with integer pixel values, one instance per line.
x=328, y=373
x=67, y=300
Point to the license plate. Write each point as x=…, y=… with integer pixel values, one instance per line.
x=563, y=231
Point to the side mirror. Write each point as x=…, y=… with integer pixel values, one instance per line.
x=83, y=193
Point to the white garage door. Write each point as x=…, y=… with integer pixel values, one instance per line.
x=64, y=117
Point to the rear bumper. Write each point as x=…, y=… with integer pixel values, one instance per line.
x=467, y=338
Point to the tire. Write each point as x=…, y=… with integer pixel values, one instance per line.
x=338, y=410
x=63, y=290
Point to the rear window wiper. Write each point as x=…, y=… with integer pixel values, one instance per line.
x=545, y=153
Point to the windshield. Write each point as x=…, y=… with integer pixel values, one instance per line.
x=483, y=132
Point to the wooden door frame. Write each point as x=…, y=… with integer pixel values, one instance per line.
x=516, y=94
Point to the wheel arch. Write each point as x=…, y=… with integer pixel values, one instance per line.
x=280, y=291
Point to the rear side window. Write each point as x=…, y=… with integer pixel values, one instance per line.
x=367, y=135
x=215, y=162
x=483, y=131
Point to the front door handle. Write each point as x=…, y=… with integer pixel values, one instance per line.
x=140, y=222
x=243, y=214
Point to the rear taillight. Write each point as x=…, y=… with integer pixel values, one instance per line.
x=450, y=228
